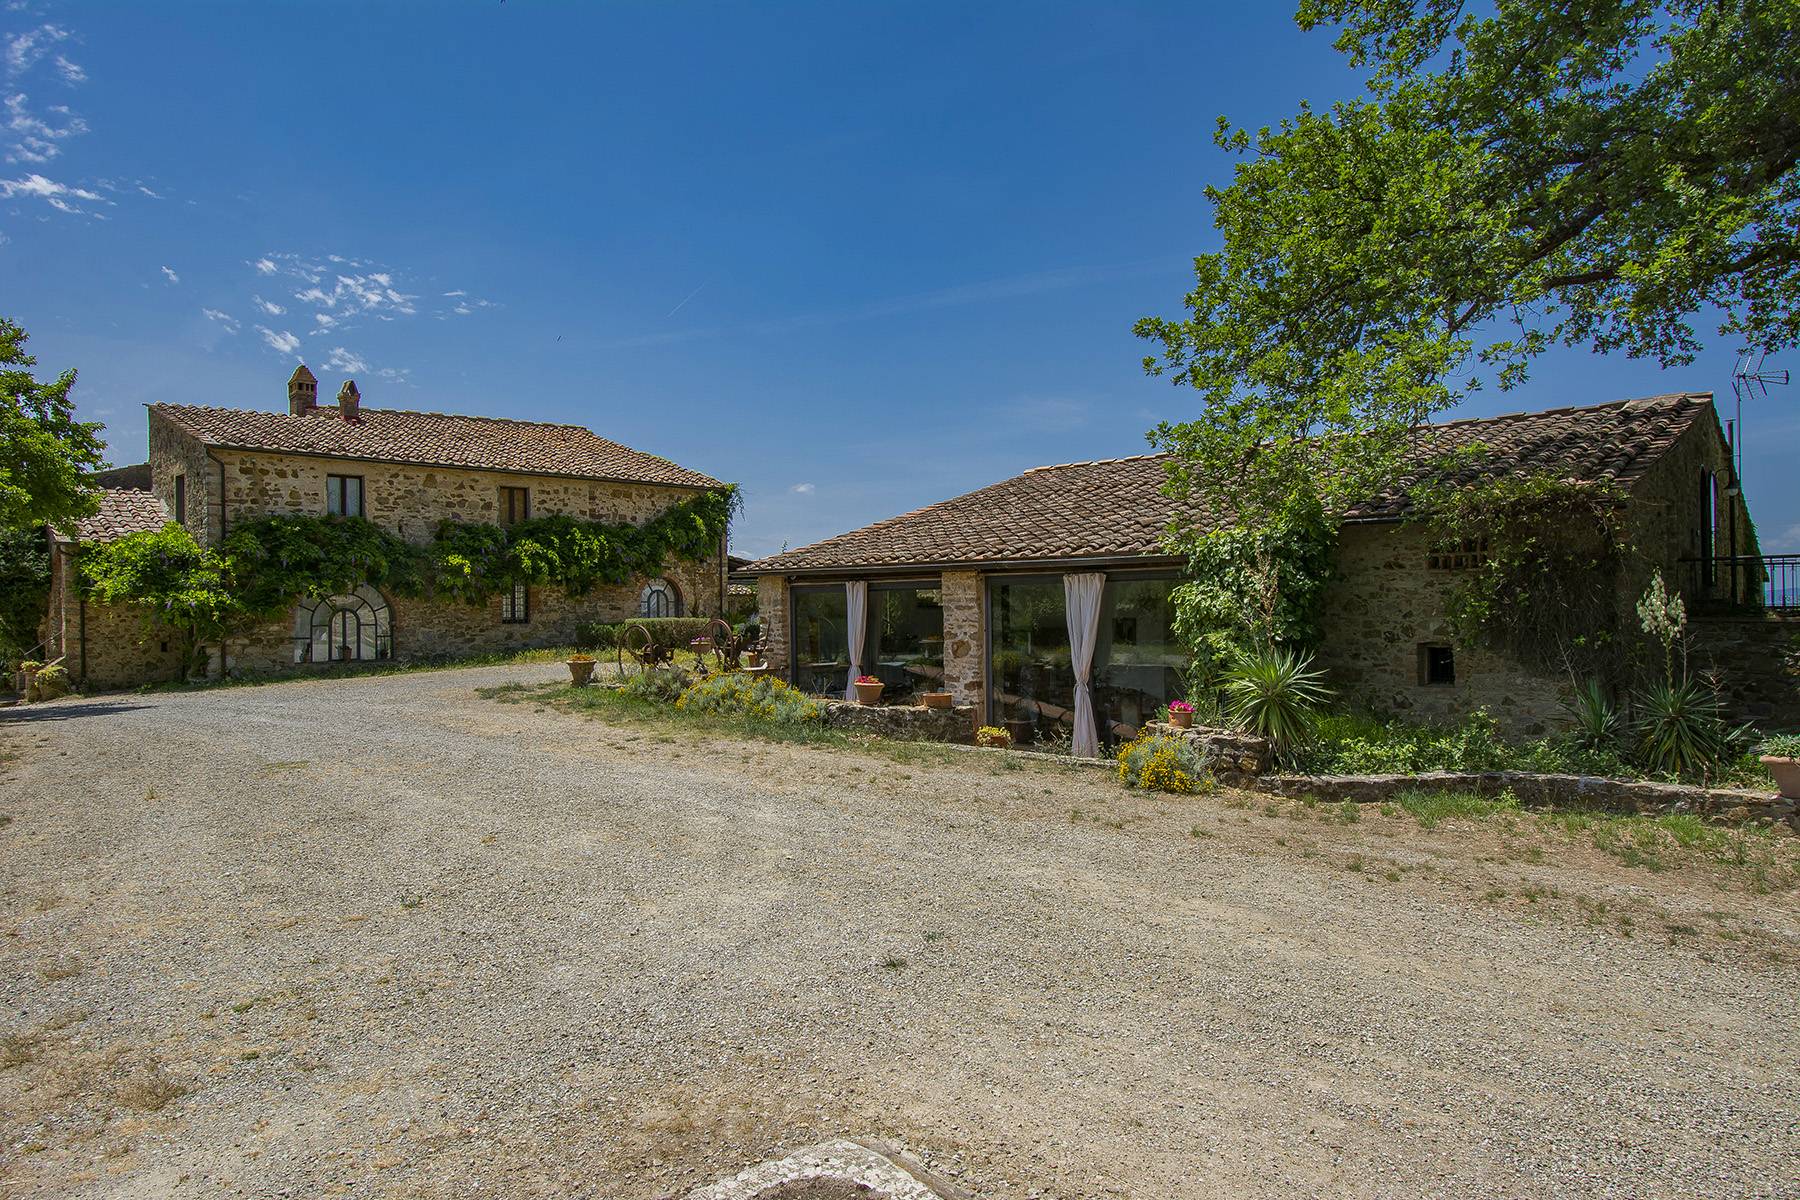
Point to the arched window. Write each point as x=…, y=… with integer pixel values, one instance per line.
x=357, y=627
x=659, y=599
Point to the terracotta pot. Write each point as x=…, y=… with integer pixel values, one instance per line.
x=868, y=693
x=1787, y=775
x=939, y=700
x=580, y=671
x=1181, y=720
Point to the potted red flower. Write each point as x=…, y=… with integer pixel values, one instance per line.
x=1181, y=714
x=868, y=689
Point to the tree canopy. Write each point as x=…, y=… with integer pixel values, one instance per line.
x=1535, y=172
x=45, y=453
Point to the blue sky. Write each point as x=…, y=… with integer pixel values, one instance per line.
x=855, y=257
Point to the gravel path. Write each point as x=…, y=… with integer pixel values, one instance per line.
x=381, y=937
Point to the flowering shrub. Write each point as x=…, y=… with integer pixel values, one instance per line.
x=1163, y=764
x=993, y=736
x=664, y=685
x=762, y=697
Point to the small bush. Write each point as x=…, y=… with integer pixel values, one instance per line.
x=1782, y=745
x=50, y=682
x=1682, y=732
x=596, y=635
x=663, y=685
x=761, y=698
x=1163, y=764
x=1277, y=695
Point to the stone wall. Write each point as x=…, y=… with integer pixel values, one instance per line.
x=174, y=451
x=1755, y=661
x=1611, y=795
x=103, y=645
x=908, y=722
x=1385, y=604
x=1667, y=517
x=1233, y=756
x=772, y=605
x=965, y=638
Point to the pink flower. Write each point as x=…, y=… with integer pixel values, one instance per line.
x=867, y=679
x=1180, y=706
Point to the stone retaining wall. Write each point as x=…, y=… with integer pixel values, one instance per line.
x=909, y=722
x=1233, y=756
x=1612, y=795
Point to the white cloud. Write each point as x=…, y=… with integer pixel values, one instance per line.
x=59, y=196
x=71, y=72
x=34, y=139
x=284, y=343
x=173, y=277
x=341, y=359
x=230, y=322
x=23, y=50
x=396, y=374
x=270, y=307
x=802, y=489
x=264, y=266
x=146, y=191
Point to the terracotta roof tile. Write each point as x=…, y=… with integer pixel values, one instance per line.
x=122, y=511
x=1115, y=508
x=432, y=439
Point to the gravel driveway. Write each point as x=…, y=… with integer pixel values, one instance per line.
x=382, y=937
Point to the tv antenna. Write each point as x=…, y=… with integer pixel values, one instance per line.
x=1749, y=378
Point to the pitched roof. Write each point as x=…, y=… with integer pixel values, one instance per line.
x=432, y=439
x=122, y=511
x=1115, y=508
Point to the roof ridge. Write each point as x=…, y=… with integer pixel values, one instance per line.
x=1091, y=462
x=1564, y=410
x=402, y=412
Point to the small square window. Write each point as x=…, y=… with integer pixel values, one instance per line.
x=1459, y=555
x=515, y=605
x=1437, y=666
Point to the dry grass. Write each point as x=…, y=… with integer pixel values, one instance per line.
x=148, y=1089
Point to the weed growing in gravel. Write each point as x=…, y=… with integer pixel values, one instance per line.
x=1430, y=807
x=149, y=1090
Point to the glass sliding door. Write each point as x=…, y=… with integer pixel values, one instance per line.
x=821, y=646
x=1138, y=663
x=904, y=645
x=1031, y=684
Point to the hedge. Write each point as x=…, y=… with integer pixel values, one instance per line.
x=673, y=633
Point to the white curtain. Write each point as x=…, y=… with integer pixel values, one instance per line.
x=856, y=616
x=1081, y=596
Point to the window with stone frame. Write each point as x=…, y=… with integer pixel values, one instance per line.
x=1437, y=665
x=1462, y=555
x=660, y=598
x=344, y=495
x=515, y=505
x=515, y=605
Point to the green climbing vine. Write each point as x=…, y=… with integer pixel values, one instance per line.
x=265, y=564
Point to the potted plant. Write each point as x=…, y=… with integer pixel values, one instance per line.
x=581, y=669
x=868, y=689
x=993, y=737
x=938, y=700
x=1181, y=714
x=1781, y=754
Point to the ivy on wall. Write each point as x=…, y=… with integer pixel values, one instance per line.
x=267, y=563
x=1545, y=555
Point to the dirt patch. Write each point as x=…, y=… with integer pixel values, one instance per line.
x=819, y=1189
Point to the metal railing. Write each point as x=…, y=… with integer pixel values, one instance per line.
x=1766, y=581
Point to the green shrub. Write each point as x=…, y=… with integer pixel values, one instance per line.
x=1597, y=722
x=1163, y=764
x=50, y=682
x=759, y=697
x=1682, y=732
x=1277, y=694
x=1782, y=745
x=664, y=685
x=596, y=635
x=671, y=633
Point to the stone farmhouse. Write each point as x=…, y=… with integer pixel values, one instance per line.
x=212, y=468
x=974, y=594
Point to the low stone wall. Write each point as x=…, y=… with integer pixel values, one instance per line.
x=1612, y=795
x=911, y=722
x=1233, y=756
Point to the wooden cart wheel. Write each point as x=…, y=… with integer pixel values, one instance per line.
x=637, y=651
x=725, y=646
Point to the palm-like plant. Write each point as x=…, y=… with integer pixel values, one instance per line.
x=1276, y=693
x=1597, y=721
x=1681, y=731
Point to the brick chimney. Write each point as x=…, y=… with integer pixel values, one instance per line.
x=303, y=392
x=349, y=401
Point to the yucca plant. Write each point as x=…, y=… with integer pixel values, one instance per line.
x=1597, y=720
x=1277, y=694
x=1681, y=731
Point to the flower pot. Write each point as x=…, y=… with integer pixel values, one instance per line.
x=939, y=700
x=1021, y=729
x=868, y=693
x=1787, y=775
x=1181, y=720
x=581, y=671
